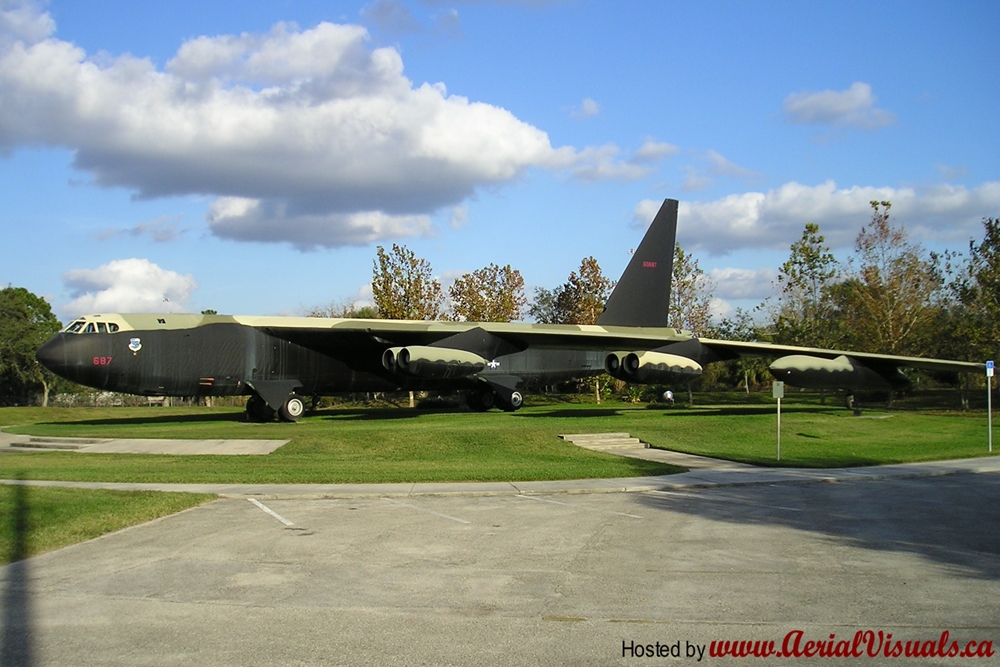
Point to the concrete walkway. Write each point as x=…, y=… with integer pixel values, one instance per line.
x=21, y=443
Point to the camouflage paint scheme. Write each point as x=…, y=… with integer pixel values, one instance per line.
x=277, y=359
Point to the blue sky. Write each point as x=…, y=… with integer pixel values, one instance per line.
x=248, y=156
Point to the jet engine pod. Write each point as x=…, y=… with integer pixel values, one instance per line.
x=436, y=363
x=614, y=364
x=651, y=367
x=843, y=372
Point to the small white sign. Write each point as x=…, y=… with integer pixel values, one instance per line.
x=777, y=389
x=989, y=368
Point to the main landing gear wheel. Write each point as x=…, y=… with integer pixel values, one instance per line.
x=292, y=409
x=481, y=400
x=516, y=401
x=258, y=410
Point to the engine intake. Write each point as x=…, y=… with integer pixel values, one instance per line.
x=436, y=363
x=651, y=367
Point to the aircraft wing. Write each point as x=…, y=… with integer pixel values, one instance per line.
x=344, y=338
x=772, y=350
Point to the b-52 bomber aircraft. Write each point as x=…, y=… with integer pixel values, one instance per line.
x=278, y=360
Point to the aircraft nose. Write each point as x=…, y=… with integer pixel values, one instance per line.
x=52, y=354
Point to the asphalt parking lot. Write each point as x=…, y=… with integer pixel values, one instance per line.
x=559, y=579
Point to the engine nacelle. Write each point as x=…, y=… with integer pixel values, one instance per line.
x=435, y=363
x=651, y=367
x=843, y=372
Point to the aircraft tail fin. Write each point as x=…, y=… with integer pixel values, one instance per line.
x=642, y=296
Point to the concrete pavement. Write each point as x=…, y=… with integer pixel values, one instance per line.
x=554, y=572
x=543, y=579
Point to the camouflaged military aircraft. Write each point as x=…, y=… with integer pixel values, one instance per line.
x=278, y=360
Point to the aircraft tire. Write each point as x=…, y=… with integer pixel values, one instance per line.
x=516, y=401
x=258, y=410
x=481, y=400
x=292, y=409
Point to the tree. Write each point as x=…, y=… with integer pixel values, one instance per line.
x=344, y=310
x=404, y=287
x=26, y=322
x=804, y=313
x=543, y=309
x=691, y=293
x=581, y=299
x=890, y=299
x=748, y=369
x=977, y=289
x=490, y=294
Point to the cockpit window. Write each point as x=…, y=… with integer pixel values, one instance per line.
x=84, y=327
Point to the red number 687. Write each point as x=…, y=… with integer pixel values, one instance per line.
x=102, y=361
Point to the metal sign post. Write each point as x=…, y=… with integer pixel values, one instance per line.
x=989, y=402
x=778, y=392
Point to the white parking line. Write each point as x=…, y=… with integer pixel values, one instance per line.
x=421, y=509
x=679, y=494
x=271, y=512
x=582, y=507
x=722, y=498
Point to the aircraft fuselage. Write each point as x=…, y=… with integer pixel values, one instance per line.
x=222, y=359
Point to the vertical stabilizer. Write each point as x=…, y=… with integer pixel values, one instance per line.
x=642, y=296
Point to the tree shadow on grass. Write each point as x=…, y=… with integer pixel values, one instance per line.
x=737, y=410
x=159, y=419
x=582, y=413
x=377, y=414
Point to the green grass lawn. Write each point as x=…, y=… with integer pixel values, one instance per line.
x=403, y=445
x=34, y=519
x=333, y=446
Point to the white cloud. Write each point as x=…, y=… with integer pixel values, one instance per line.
x=952, y=173
x=23, y=20
x=854, y=107
x=160, y=230
x=459, y=216
x=653, y=151
x=363, y=298
x=733, y=283
x=391, y=16
x=127, y=286
x=695, y=180
x=644, y=213
x=775, y=219
x=720, y=309
x=588, y=108
x=244, y=219
x=718, y=167
x=602, y=164
x=329, y=138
